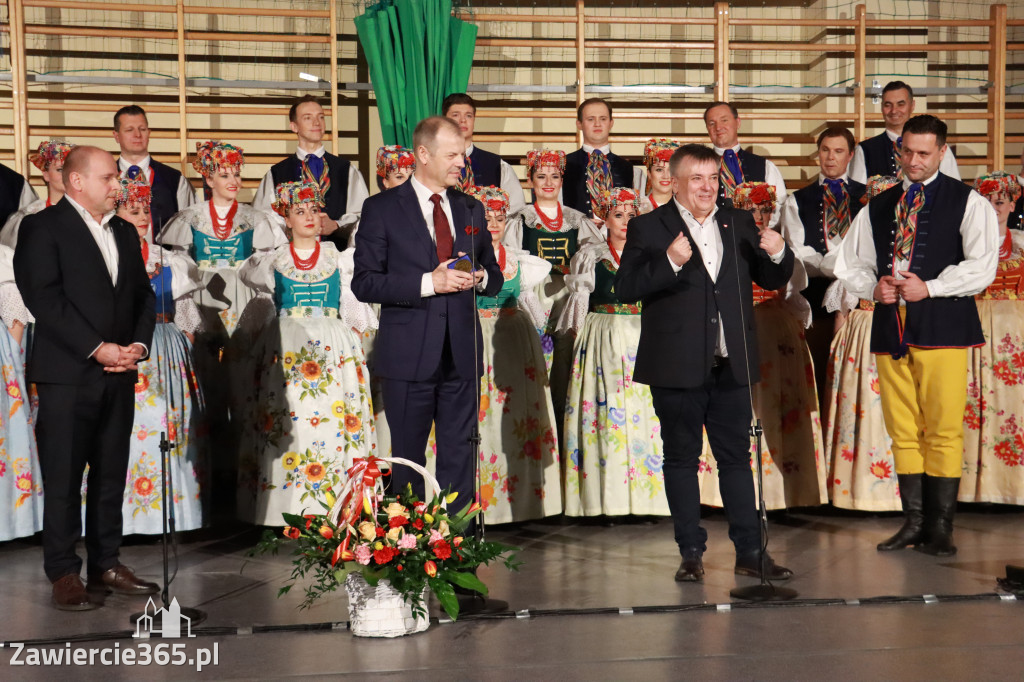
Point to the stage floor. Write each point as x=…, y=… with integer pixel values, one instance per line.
x=571, y=566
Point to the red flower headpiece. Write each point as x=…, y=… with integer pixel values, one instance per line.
x=213, y=155
x=535, y=158
x=750, y=194
x=617, y=197
x=135, y=192
x=998, y=182
x=394, y=157
x=49, y=152
x=493, y=198
x=877, y=184
x=292, y=193
x=658, y=150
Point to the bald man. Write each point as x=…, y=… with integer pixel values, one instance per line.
x=80, y=270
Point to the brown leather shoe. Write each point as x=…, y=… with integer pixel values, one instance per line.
x=691, y=570
x=69, y=594
x=121, y=580
x=750, y=565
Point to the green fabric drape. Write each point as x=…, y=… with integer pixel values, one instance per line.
x=417, y=54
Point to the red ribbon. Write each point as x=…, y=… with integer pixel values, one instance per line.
x=363, y=473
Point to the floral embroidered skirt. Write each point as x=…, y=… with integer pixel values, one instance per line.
x=993, y=468
x=21, y=483
x=858, y=448
x=520, y=475
x=312, y=416
x=168, y=400
x=786, y=401
x=613, y=450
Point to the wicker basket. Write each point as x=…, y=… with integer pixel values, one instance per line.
x=380, y=611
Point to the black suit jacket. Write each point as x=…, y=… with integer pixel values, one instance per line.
x=393, y=251
x=64, y=281
x=681, y=312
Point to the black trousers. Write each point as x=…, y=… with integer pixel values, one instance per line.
x=447, y=401
x=722, y=407
x=79, y=425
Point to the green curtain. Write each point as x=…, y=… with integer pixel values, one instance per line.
x=417, y=53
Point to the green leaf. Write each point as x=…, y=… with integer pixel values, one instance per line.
x=464, y=579
x=295, y=520
x=372, y=577
x=446, y=596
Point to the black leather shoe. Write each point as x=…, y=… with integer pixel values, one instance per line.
x=121, y=580
x=912, y=531
x=691, y=570
x=750, y=565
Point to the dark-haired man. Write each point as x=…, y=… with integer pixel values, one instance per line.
x=880, y=155
x=483, y=168
x=921, y=250
x=815, y=219
x=594, y=167
x=738, y=165
x=691, y=264
x=171, y=190
x=341, y=183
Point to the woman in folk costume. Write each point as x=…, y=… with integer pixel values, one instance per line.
x=993, y=432
x=314, y=413
x=395, y=165
x=167, y=396
x=786, y=397
x=857, y=447
x=520, y=477
x=21, y=482
x=49, y=159
x=657, y=153
x=554, y=232
x=613, y=451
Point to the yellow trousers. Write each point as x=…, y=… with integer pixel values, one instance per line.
x=923, y=398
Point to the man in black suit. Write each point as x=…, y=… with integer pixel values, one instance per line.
x=171, y=190
x=80, y=271
x=691, y=264
x=425, y=352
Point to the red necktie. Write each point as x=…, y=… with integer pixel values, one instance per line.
x=442, y=230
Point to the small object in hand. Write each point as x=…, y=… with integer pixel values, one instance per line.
x=462, y=264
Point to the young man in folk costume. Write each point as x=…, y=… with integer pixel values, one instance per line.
x=815, y=219
x=49, y=159
x=341, y=184
x=172, y=192
x=738, y=165
x=593, y=170
x=921, y=250
x=880, y=155
x=483, y=168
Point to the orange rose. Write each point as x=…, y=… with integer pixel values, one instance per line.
x=142, y=385
x=315, y=471
x=352, y=423
x=143, y=486
x=310, y=370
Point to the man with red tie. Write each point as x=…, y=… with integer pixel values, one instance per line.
x=428, y=350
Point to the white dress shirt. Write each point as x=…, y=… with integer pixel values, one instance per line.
x=509, y=182
x=816, y=264
x=357, y=192
x=859, y=172
x=979, y=231
x=185, y=195
x=772, y=176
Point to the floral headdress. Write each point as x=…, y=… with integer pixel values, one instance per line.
x=291, y=193
x=535, y=158
x=393, y=157
x=50, y=152
x=493, y=198
x=658, y=150
x=617, y=197
x=213, y=155
x=877, y=184
x=749, y=194
x=998, y=182
x=134, y=192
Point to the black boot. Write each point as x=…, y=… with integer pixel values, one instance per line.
x=940, y=506
x=911, y=495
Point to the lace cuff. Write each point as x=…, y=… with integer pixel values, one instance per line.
x=12, y=308
x=186, y=315
x=838, y=298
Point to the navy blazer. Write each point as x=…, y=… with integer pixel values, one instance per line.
x=65, y=283
x=393, y=252
x=682, y=311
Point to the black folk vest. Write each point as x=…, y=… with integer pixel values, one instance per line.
x=574, y=183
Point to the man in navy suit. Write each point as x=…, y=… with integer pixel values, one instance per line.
x=428, y=347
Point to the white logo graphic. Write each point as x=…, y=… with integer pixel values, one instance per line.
x=170, y=618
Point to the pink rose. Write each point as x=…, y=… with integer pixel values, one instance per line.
x=363, y=555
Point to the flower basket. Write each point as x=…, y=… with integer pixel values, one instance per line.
x=381, y=611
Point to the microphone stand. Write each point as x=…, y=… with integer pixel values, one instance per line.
x=765, y=591
x=167, y=534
